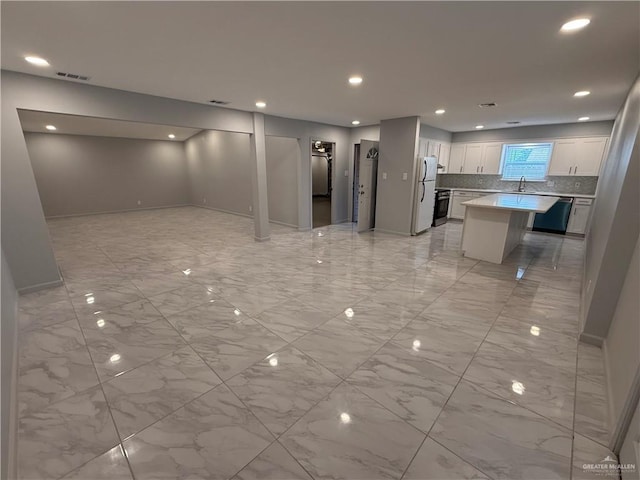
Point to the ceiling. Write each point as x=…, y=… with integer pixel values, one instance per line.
x=34, y=121
x=415, y=57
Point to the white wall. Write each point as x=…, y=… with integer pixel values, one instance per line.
x=395, y=196
x=615, y=223
x=8, y=335
x=79, y=174
x=283, y=159
x=622, y=345
x=220, y=170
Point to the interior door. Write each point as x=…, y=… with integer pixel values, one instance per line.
x=367, y=183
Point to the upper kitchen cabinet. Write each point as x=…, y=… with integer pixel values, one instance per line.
x=456, y=158
x=480, y=158
x=435, y=148
x=578, y=156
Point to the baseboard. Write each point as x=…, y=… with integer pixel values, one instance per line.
x=304, y=229
x=40, y=286
x=404, y=234
x=261, y=239
x=128, y=210
x=591, y=339
x=283, y=224
x=12, y=461
x=206, y=207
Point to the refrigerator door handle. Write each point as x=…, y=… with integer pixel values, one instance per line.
x=424, y=175
x=424, y=190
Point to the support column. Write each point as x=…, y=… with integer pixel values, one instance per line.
x=259, y=180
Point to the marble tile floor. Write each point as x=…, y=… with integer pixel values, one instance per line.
x=179, y=348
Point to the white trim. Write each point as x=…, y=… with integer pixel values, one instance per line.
x=40, y=286
x=71, y=215
x=206, y=207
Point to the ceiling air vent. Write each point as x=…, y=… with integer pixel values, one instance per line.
x=218, y=102
x=487, y=105
x=513, y=122
x=73, y=76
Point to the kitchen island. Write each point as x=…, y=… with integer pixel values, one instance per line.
x=494, y=225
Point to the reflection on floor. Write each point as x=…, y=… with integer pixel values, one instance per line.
x=180, y=348
x=321, y=211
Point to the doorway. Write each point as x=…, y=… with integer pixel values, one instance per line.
x=367, y=183
x=322, y=156
x=356, y=182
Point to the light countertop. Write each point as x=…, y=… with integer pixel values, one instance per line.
x=514, y=201
x=551, y=194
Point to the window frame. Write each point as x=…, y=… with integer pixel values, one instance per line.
x=505, y=146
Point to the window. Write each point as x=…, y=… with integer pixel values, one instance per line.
x=529, y=160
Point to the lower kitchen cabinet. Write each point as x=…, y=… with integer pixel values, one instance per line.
x=456, y=209
x=579, y=216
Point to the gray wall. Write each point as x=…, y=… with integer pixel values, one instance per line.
x=615, y=222
x=79, y=174
x=395, y=197
x=560, y=130
x=305, y=133
x=433, y=133
x=8, y=334
x=25, y=238
x=220, y=170
x=622, y=345
x=283, y=158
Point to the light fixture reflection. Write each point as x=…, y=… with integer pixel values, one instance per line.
x=416, y=345
x=237, y=312
x=319, y=261
x=349, y=312
x=517, y=387
x=273, y=360
x=320, y=234
x=574, y=25
x=187, y=271
x=90, y=300
x=40, y=62
x=100, y=322
x=345, y=418
x=535, y=330
x=115, y=358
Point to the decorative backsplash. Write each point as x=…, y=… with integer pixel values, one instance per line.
x=561, y=184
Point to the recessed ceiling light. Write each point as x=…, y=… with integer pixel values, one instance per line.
x=478, y=127
x=582, y=93
x=573, y=25
x=440, y=111
x=583, y=119
x=355, y=80
x=171, y=135
x=261, y=104
x=355, y=122
x=41, y=62
x=51, y=127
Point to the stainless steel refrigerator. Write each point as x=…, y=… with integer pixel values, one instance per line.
x=425, y=194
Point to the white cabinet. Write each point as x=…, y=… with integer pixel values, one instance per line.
x=579, y=216
x=456, y=209
x=475, y=158
x=491, y=157
x=590, y=156
x=578, y=156
x=456, y=158
x=443, y=158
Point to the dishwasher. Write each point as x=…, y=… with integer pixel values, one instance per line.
x=555, y=220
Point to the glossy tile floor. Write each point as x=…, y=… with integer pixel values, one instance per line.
x=181, y=349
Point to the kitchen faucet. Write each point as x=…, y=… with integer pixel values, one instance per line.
x=522, y=184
